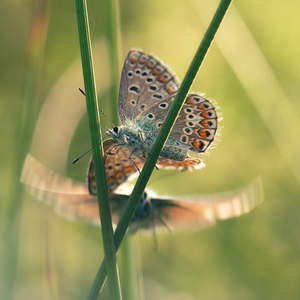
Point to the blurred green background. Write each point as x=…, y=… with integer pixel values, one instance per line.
x=252, y=71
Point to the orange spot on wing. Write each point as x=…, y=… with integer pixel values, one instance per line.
x=169, y=89
x=198, y=144
x=206, y=114
x=142, y=60
x=162, y=79
x=150, y=65
x=128, y=169
x=133, y=59
x=119, y=174
x=202, y=133
x=190, y=100
x=205, y=123
x=156, y=72
x=201, y=106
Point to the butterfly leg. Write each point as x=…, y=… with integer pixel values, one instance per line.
x=129, y=157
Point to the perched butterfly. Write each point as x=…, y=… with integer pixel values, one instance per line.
x=147, y=90
x=73, y=199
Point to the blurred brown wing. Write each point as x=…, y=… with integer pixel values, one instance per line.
x=193, y=212
x=70, y=198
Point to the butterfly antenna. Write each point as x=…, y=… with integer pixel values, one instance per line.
x=108, y=119
x=75, y=160
x=82, y=91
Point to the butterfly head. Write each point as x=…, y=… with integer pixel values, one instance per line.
x=115, y=133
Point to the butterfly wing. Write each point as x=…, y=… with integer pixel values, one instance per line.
x=196, y=124
x=193, y=212
x=70, y=198
x=194, y=129
x=119, y=169
x=145, y=79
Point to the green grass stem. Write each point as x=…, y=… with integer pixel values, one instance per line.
x=113, y=30
x=97, y=149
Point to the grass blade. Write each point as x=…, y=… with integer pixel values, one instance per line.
x=113, y=33
x=96, y=139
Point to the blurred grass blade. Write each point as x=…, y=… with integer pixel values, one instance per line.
x=35, y=56
x=113, y=33
x=129, y=280
x=96, y=139
x=258, y=79
x=130, y=276
x=163, y=134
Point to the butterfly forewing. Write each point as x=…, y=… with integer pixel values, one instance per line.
x=145, y=80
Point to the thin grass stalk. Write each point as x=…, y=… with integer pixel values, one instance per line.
x=129, y=268
x=113, y=34
x=35, y=59
x=162, y=137
x=97, y=149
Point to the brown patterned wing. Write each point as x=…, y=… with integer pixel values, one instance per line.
x=70, y=198
x=198, y=211
x=119, y=169
x=194, y=129
x=196, y=124
x=145, y=79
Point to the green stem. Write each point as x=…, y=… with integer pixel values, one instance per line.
x=162, y=137
x=96, y=139
x=129, y=268
x=113, y=29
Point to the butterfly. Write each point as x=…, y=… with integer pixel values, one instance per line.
x=74, y=199
x=147, y=90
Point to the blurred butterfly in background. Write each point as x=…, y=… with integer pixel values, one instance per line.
x=147, y=90
x=74, y=199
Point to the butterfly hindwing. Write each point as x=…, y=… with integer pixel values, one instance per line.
x=118, y=167
x=196, y=125
x=194, y=129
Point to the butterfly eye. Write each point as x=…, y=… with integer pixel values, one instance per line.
x=116, y=129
